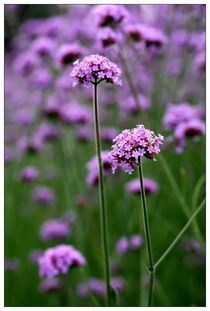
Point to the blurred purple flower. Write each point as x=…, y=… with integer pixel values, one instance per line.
x=122, y=246
x=43, y=195
x=69, y=53
x=136, y=241
x=109, y=15
x=75, y=113
x=129, y=104
x=29, y=174
x=50, y=285
x=59, y=259
x=150, y=186
x=93, y=171
x=54, y=229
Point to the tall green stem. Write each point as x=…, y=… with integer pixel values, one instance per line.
x=147, y=233
x=173, y=243
x=103, y=215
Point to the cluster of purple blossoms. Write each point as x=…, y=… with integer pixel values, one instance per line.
x=150, y=36
x=95, y=68
x=43, y=195
x=185, y=121
x=69, y=53
x=98, y=287
x=109, y=15
x=75, y=114
x=128, y=104
x=29, y=174
x=50, y=285
x=125, y=244
x=150, y=186
x=54, y=229
x=106, y=37
x=58, y=260
x=93, y=170
x=131, y=144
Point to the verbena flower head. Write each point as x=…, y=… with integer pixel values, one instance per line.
x=54, y=229
x=150, y=186
x=59, y=259
x=29, y=174
x=94, y=69
x=109, y=15
x=93, y=170
x=130, y=144
x=50, y=285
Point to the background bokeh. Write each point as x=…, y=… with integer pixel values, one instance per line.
x=49, y=141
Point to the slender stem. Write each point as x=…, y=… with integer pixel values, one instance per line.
x=180, y=234
x=180, y=197
x=132, y=86
x=103, y=215
x=147, y=233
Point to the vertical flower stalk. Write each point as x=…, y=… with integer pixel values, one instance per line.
x=101, y=192
x=127, y=152
x=93, y=70
x=147, y=232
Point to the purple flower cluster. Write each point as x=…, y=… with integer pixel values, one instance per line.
x=59, y=259
x=185, y=121
x=131, y=144
x=29, y=174
x=43, y=195
x=54, y=229
x=151, y=36
x=69, y=53
x=50, y=285
x=125, y=244
x=93, y=171
x=75, y=113
x=128, y=104
x=98, y=287
x=95, y=68
x=150, y=186
x=109, y=15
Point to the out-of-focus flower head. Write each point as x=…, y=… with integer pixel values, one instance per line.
x=43, y=46
x=43, y=195
x=122, y=246
x=107, y=37
x=98, y=287
x=41, y=78
x=93, y=170
x=59, y=259
x=93, y=69
x=54, y=229
x=150, y=186
x=69, y=53
x=29, y=174
x=128, y=104
x=50, y=285
x=125, y=244
x=109, y=15
x=176, y=114
x=136, y=241
x=108, y=133
x=26, y=62
x=84, y=133
x=46, y=132
x=131, y=144
x=75, y=113
x=190, y=129
x=34, y=255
